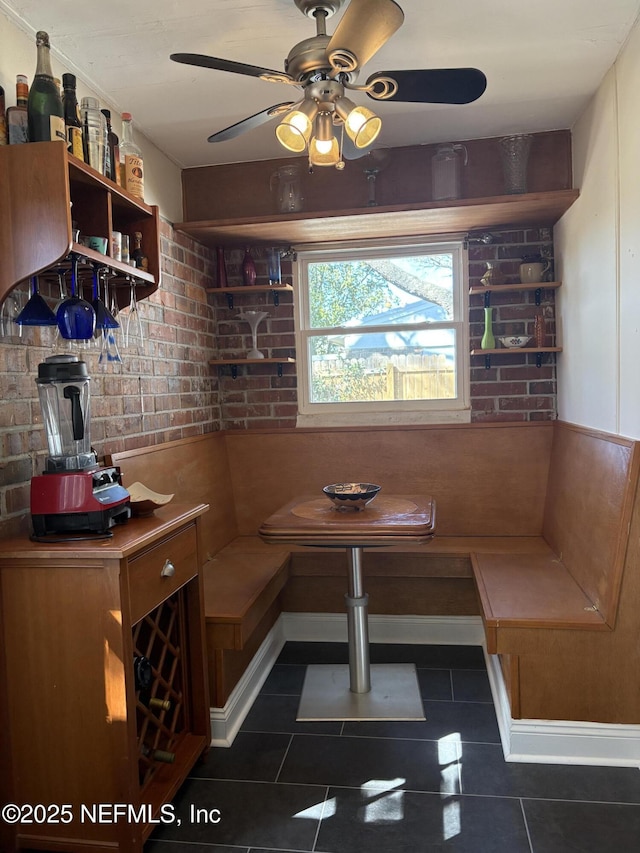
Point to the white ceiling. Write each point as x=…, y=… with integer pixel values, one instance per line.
x=543, y=60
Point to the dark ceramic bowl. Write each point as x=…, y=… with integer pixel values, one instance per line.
x=351, y=495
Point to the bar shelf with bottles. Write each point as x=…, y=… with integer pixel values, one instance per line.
x=42, y=189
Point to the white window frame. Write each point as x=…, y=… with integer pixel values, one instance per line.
x=385, y=412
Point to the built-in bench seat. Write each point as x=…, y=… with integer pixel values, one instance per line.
x=533, y=526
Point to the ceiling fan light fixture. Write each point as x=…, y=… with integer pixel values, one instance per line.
x=361, y=124
x=323, y=148
x=294, y=131
x=324, y=152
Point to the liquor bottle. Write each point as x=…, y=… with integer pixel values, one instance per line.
x=44, y=107
x=138, y=257
x=17, y=117
x=3, y=122
x=131, y=165
x=72, y=122
x=111, y=151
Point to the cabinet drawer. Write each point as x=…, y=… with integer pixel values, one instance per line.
x=150, y=577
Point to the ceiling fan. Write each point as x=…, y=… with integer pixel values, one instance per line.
x=324, y=67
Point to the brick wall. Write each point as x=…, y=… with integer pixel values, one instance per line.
x=167, y=389
x=161, y=391
x=513, y=388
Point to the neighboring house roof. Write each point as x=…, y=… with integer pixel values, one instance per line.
x=421, y=311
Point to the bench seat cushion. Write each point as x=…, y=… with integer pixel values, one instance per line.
x=530, y=591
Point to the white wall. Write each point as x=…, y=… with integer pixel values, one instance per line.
x=163, y=184
x=597, y=244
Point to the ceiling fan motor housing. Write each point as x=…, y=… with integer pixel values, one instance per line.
x=311, y=7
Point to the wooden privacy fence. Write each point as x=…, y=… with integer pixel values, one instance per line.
x=381, y=377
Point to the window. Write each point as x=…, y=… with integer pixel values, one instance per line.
x=382, y=335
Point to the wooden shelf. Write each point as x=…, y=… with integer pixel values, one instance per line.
x=461, y=215
x=493, y=288
x=537, y=351
x=43, y=189
x=234, y=362
x=503, y=350
x=275, y=289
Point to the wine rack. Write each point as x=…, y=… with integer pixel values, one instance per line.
x=160, y=637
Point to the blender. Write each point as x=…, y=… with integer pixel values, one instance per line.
x=73, y=493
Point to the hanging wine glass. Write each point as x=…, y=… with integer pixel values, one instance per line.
x=134, y=335
x=76, y=317
x=8, y=315
x=36, y=312
x=104, y=317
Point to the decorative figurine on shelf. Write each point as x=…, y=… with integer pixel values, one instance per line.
x=248, y=269
x=492, y=275
x=254, y=318
x=221, y=267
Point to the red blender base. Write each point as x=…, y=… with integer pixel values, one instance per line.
x=71, y=501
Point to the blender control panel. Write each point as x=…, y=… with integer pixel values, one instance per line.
x=107, y=487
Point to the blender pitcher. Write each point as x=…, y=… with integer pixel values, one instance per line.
x=63, y=389
x=286, y=181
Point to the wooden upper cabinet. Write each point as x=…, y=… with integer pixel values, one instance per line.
x=42, y=189
x=236, y=204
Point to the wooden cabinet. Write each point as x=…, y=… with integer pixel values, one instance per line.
x=75, y=730
x=43, y=189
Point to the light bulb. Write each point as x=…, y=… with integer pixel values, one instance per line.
x=295, y=128
x=361, y=124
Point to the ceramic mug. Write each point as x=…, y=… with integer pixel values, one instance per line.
x=98, y=244
x=531, y=273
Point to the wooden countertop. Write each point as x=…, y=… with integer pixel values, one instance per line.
x=127, y=538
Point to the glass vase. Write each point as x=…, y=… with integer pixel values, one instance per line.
x=488, y=340
x=514, y=151
x=248, y=269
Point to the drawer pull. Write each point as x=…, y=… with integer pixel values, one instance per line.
x=168, y=570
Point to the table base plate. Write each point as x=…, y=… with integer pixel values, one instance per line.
x=394, y=694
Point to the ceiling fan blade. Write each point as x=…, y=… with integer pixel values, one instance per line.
x=250, y=123
x=365, y=27
x=204, y=61
x=436, y=86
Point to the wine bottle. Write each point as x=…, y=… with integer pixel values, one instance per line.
x=44, y=107
x=158, y=754
x=138, y=257
x=159, y=704
x=142, y=672
x=3, y=121
x=111, y=151
x=72, y=123
x=17, y=117
x=131, y=165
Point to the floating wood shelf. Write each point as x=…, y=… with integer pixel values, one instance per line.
x=487, y=353
x=274, y=289
x=418, y=219
x=234, y=362
x=493, y=288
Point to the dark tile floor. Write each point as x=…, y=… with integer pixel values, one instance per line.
x=393, y=787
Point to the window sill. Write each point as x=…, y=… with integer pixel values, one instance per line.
x=336, y=419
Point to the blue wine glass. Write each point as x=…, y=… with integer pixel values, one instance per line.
x=36, y=312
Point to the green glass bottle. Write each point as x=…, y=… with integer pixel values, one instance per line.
x=44, y=107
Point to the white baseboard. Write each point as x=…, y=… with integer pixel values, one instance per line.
x=533, y=741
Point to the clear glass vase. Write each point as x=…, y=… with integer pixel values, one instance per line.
x=514, y=151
